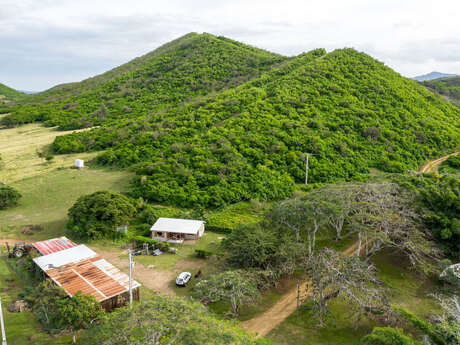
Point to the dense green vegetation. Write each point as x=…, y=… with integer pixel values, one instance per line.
x=352, y=112
x=207, y=121
x=451, y=165
x=447, y=87
x=192, y=66
x=8, y=94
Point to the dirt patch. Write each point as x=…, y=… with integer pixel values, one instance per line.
x=157, y=280
x=182, y=265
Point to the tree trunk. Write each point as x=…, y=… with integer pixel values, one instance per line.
x=74, y=336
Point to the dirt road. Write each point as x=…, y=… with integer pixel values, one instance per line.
x=272, y=317
x=277, y=313
x=433, y=165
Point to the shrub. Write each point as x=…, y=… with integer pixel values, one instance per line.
x=202, y=254
x=99, y=214
x=8, y=197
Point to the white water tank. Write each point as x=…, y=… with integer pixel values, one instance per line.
x=79, y=163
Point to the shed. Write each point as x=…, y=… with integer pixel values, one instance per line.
x=81, y=269
x=176, y=230
x=53, y=245
x=79, y=163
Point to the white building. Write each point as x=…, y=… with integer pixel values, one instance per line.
x=177, y=230
x=79, y=163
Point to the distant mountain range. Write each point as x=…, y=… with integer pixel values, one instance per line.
x=433, y=75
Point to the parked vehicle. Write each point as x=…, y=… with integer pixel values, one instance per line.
x=20, y=249
x=183, y=278
x=157, y=252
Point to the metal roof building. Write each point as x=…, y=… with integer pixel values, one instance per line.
x=53, y=245
x=81, y=269
x=176, y=230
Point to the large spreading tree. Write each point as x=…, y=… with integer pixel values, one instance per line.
x=99, y=214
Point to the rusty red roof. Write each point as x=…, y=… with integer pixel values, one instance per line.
x=81, y=269
x=53, y=245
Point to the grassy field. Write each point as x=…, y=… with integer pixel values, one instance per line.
x=406, y=287
x=47, y=197
x=22, y=147
x=48, y=188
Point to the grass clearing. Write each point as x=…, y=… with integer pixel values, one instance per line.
x=20, y=148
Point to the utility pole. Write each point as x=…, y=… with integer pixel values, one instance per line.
x=298, y=294
x=2, y=324
x=307, y=165
x=131, y=264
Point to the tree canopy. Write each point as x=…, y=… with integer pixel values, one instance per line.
x=99, y=214
x=8, y=196
x=166, y=320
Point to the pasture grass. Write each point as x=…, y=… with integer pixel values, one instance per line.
x=24, y=150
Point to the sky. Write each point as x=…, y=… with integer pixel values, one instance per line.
x=48, y=42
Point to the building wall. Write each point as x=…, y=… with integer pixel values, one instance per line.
x=120, y=300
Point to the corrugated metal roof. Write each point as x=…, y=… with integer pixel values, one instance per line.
x=182, y=226
x=64, y=257
x=95, y=277
x=81, y=269
x=54, y=245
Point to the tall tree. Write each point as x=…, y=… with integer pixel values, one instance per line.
x=302, y=216
x=234, y=287
x=334, y=274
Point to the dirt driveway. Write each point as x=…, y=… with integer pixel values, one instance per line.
x=154, y=279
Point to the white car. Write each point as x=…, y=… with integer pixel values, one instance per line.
x=183, y=278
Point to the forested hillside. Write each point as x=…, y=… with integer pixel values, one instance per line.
x=189, y=67
x=8, y=94
x=446, y=87
x=208, y=121
x=347, y=109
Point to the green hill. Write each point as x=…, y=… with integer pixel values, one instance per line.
x=8, y=94
x=449, y=88
x=349, y=110
x=192, y=66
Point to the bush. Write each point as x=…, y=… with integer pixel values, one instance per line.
x=218, y=229
x=8, y=197
x=99, y=214
x=202, y=254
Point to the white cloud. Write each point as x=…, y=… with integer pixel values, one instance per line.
x=47, y=42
